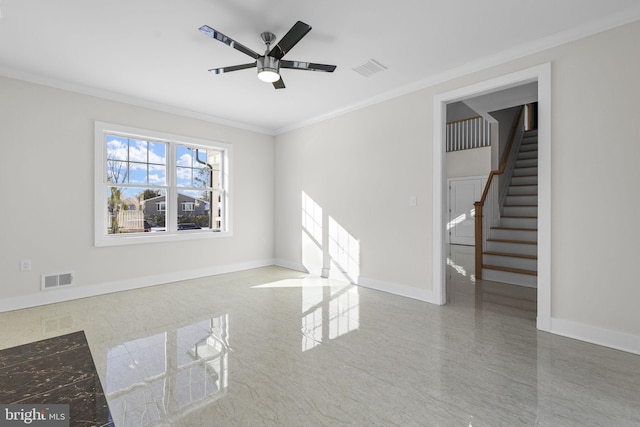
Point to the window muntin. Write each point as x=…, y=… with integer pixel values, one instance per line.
x=159, y=183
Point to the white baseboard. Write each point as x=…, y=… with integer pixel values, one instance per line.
x=398, y=289
x=79, y=291
x=595, y=335
x=296, y=266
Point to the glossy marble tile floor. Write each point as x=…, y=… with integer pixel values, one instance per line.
x=274, y=347
x=57, y=370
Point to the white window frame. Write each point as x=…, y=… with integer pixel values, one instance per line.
x=102, y=238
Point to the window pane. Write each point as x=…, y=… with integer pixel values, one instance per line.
x=197, y=211
x=197, y=167
x=157, y=172
x=117, y=172
x=155, y=206
x=134, y=210
x=135, y=161
x=117, y=147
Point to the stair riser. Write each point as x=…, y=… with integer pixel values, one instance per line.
x=520, y=211
x=524, y=180
x=525, y=163
x=511, y=262
x=529, y=236
x=516, y=190
x=514, y=248
x=513, y=278
x=529, y=154
x=525, y=171
x=521, y=200
x=528, y=147
x=519, y=222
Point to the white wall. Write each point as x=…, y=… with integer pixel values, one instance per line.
x=361, y=167
x=475, y=162
x=459, y=111
x=46, y=171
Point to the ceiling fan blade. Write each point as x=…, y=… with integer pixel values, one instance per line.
x=207, y=30
x=295, y=34
x=299, y=65
x=232, y=68
x=279, y=84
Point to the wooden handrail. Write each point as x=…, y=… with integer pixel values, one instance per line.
x=479, y=206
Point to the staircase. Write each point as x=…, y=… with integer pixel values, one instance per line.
x=511, y=254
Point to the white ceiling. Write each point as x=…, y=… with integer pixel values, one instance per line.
x=150, y=52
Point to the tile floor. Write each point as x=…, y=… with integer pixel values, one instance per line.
x=274, y=347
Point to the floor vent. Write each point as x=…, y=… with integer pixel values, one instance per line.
x=369, y=68
x=52, y=281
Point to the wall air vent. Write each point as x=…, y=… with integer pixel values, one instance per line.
x=370, y=68
x=53, y=281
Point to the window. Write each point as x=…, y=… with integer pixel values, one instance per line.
x=153, y=186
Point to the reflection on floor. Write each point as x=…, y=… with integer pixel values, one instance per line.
x=275, y=347
x=162, y=377
x=462, y=284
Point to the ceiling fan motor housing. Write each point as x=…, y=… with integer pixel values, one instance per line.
x=268, y=68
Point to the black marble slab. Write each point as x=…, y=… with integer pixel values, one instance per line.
x=57, y=370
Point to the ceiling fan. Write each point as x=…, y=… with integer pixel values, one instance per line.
x=271, y=62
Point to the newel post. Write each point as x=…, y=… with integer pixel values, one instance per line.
x=479, y=246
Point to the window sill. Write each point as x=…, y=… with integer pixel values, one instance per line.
x=158, y=237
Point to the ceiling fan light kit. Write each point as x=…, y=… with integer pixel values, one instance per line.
x=269, y=64
x=268, y=69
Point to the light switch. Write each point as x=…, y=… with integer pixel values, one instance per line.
x=413, y=201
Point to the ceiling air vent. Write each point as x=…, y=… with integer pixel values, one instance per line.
x=370, y=68
x=52, y=281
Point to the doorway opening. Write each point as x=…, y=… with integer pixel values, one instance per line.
x=540, y=75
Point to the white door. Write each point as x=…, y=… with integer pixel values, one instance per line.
x=463, y=193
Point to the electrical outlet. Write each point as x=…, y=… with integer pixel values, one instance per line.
x=25, y=265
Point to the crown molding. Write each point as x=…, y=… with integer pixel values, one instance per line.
x=514, y=53
x=481, y=64
x=127, y=99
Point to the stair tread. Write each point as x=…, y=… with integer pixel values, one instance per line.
x=524, y=242
x=510, y=270
x=519, y=216
x=520, y=206
x=505, y=254
x=521, y=195
x=514, y=228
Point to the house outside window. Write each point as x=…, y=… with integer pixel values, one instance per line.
x=175, y=186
